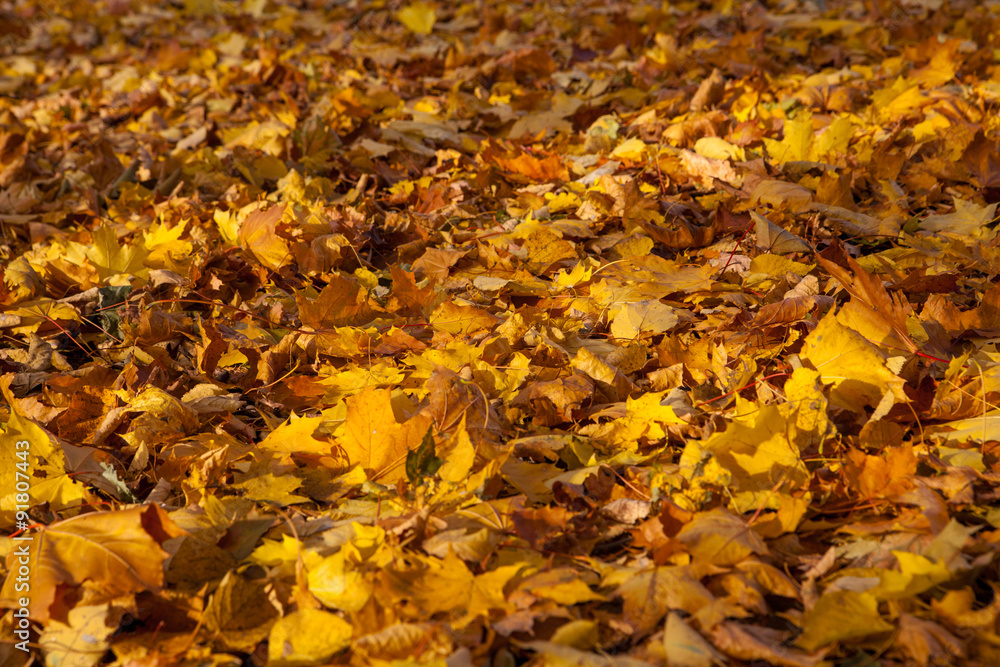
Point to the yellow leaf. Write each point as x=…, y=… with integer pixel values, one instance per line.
x=272, y=552
x=43, y=461
x=232, y=358
x=916, y=575
x=780, y=195
x=258, y=236
x=458, y=455
x=718, y=148
x=807, y=408
x=43, y=452
x=268, y=136
x=840, y=615
x=373, y=439
x=644, y=420
x=166, y=249
x=240, y=613
x=577, y=634
x=581, y=273
x=562, y=201
x=960, y=608
x=798, y=141
x=271, y=489
x=938, y=72
x=720, y=537
x=650, y=594
x=685, y=647
x=447, y=584
x=338, y=585
x=307, y=637
x=650, y=275
x=834, y=139
x=457, y=319
x=561, y=585
x=647, y=316
x=632, y=150
x=418, y=17
x=487, y=589
x=59, y=491
x=162, y=418
x=352, y=379
x=969, y=220
x=367, y=546
x=777, y=266
x=931, y=128
x=110, y=258
x=296, y=435
x=758, y=452
x=432, y=584
x=594, y=367
x=228, y=223
x=72, y=644
x=854, y=367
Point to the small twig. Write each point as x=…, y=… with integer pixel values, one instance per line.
x=732, y=254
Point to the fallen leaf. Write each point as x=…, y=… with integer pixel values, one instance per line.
x=107, y=554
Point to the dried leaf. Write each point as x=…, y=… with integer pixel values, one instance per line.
x=108, y=554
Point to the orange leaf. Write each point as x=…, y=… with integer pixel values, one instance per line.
x=110, y=554
x=456, y=319
x=524, y=166
x=436, y=263
x=258, y=236
x=373, y=439
x=341, y=303
x=871, y=293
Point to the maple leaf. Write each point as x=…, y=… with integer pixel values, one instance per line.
x=523, y=166
x=111, y=258
x=855, y=367
x=436, y=263
x=373, y=439
x=108, y=553
x=343, y=302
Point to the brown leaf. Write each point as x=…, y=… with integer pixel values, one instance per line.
x=452, y=397
x=748, y=642
x=925, y=640
x=541, y=526
x=555, y=401
x=790, y=310
x=709, y=91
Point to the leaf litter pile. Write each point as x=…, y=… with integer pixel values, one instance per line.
x=501, y=333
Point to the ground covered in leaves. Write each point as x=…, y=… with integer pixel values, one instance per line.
x=496, y=333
